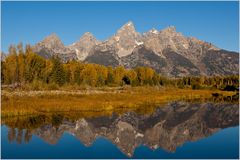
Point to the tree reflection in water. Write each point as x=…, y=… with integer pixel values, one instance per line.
x=167, y=127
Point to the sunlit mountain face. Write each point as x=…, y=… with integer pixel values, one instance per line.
x=168, y=127
x=167, y=51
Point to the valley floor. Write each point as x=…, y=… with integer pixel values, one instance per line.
x=17, y=102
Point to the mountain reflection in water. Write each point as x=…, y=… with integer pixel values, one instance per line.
x=168, y=127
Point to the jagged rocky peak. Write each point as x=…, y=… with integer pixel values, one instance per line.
x=88, y=35
x=127, y=31
x=52, y=40
x=157, y=41
x=170, y=29
x=170, y=38
x=129, y=27
x=85, y=40
x=195, y=40
x=154, y=31
x=88, y=39
x=171, y=32
x=84, y=45
x=125, y=40
x=52, y=36
x=167, y=51
x=50, y=45
x=151, y=33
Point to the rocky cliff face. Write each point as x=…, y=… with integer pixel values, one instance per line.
x=125, y=40
x=53, y=46
x=167, y=51
x=84, y=46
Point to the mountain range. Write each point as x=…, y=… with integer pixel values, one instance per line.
x=167, y=51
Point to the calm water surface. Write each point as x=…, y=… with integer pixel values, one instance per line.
x=176, y=130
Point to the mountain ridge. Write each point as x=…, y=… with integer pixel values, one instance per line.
x=167, y=51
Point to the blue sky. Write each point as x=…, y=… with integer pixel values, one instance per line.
x=30, y=22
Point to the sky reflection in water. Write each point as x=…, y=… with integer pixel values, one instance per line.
x=177, y=130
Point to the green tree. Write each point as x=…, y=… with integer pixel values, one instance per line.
x=3, y=68
x=58, y=74
x=35, y=67
x=110, y=76
x=47, y=71
x=102, y=74
x=141, y=76
x=77, y=77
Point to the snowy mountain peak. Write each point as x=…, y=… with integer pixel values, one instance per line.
x=128, y=27
x=88, y=34
x=130, y=23
x=167, y=51
x=154, y=31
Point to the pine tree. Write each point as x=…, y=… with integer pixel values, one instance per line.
x=102, y=74
x=3, y=68
x=58, y=75
x=110, y=79
x=77, y=78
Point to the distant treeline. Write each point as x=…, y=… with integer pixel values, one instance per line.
x=22, y=67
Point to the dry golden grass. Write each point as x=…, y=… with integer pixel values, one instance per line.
x=108, y=101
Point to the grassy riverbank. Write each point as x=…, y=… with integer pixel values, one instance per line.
x=98, y=100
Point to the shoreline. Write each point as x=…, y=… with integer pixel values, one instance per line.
x=35, y=102
x=104, y=90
